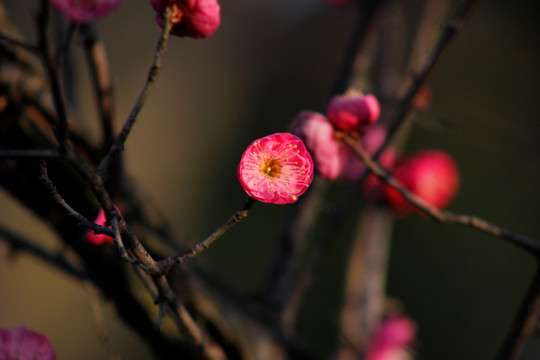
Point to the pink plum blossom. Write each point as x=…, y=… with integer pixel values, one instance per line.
x=98, y=239
x=86, y=11
x=276, y=169
x=318, y=135
x=353, y=110
x=21, y=343
x=192, y=18
x=392, y=339
x=431, y=174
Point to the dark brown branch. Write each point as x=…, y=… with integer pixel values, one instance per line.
x=15, y=42
x=72, y=212
x=118, y=145
x=101, y=79
x=451, y=28
x=364, y=15
x=166, y=264
x=30, y=153
x=524, y=325
x=61, y=131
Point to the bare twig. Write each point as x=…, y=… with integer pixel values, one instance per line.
x=364, y=15
x=61, y=131
x=30, y=153
x=451, y=28
x=101, y=79
x=98, y=229
x=166, y=264
x=10, y=40
x=437, y=214
x=524, y=325
x=120, y=140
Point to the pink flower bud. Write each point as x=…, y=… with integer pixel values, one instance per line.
x=318, y=135
x=352, y=111
x=87, y=11
x=192, y=18
x=21, y=343
x=98, y=239
x=432, y=175
x=392, y=339
x=276, y=169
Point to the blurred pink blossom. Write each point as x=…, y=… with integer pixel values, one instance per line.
x=21, y=343
x=433, y=175
x=353, y=110
x=318, y=135
x=276, y=169
x=98, y=239
x=392, y=339
x=86, y=11
x=192, y=18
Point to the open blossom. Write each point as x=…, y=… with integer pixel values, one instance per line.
x=87, y=11
x=21, y=343
x=353, y=110
x=431, y=174
x=98, y=239
x=276, y=169
x=192, y=18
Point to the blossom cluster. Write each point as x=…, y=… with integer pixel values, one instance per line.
x=430, y=174
x=191, y=18
x=352, y=112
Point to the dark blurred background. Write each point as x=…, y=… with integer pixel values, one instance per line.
x=268, y=61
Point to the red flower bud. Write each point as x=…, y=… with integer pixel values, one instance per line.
x=352, y=111
x=432, y=175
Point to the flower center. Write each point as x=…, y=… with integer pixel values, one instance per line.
x=176, y=14
x=271, y=168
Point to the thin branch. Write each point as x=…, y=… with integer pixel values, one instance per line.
x=524, y=325
x=20, y=242
x=15, y=42
x=364, y=15
x=98, y=229
x=437, y=214
x=451, y=28
x=61, y=131
x=118, y=144
x=166, y=264
x=30, y=153
x=101, y=79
